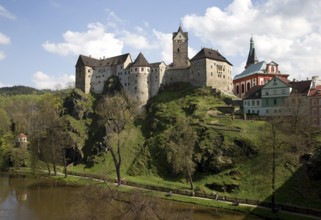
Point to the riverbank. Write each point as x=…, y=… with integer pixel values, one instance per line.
x=191, y=199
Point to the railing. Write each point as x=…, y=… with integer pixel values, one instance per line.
x=202, y=194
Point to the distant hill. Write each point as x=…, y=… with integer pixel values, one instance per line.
x=19, y=90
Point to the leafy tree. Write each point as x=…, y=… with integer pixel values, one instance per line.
x=115, y=112
x=180, y=148
x=7, y=142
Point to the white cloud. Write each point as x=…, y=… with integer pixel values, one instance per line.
x=96, y=42
x=45, y=81
x=165, y=46
x=4, y=39
x=286, y=31
x=2, y=55
x=4, y=85
x=137, y=41
x=5, y=13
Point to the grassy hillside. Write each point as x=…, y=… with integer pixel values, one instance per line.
x=230, y=154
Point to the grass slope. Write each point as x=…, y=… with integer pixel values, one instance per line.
x=247, y=166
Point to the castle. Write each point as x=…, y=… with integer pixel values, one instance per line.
x=142, y=80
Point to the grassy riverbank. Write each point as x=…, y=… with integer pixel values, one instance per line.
x=247, y=209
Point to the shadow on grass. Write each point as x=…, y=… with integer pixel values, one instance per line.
x=299, y=195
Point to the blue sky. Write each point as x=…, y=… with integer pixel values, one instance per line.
x=40, y=40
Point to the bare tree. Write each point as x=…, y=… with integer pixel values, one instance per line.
x=180, y=148
x=98, y=201
x=273, y=139
x=116, y=112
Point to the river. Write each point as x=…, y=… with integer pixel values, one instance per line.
x=23, y=198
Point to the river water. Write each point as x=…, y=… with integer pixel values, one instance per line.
x=24, y=198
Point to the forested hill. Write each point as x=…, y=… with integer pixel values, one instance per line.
x=19, y=90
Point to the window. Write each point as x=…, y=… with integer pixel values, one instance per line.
x=266, y=101
x=177, y=50
x=136, y=69
x=274, y=101
x=248, y=86
x=253, y=103
x=257, y=102
x=142, y=69
x=238, y=90
x=314, y=111
x=242, y=88
x=274, y=92
x=314, y=101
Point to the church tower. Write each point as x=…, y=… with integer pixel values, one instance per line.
x=251, y=59
x=180, y=49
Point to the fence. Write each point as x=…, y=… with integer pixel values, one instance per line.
x=203, y=194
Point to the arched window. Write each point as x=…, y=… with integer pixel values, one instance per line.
x=177, y=50
x=248, y=86
x=237, y=89
x=242, y=88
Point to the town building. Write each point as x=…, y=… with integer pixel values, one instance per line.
x=255, y=74
x=314, y=106
x=21, y=140
x=142, y=80
x=278, y=97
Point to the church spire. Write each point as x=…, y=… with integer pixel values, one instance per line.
x=251, y=59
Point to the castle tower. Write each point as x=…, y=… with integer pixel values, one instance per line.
x=251, y=59
x=180, y=49
x=139, y=75
x=84, y=70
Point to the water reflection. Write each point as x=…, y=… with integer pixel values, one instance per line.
x=42, y=198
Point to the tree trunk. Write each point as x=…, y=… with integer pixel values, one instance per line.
x=64, y=160
x=190, y=178
x=48, y=167
x=116, y=163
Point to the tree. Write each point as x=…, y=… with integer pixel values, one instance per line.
x=115, y=112
x=180, y=148
x=273, y=139
x=295, y=113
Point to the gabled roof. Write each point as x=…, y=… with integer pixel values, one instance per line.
x=140, y=61
x=254, y=93
x=86, y=61
x=111, y=61
x=157, y=64
x=301, y=87
x=210, y=54
x=180, y=30
x=315, y=92
x=252, y=69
